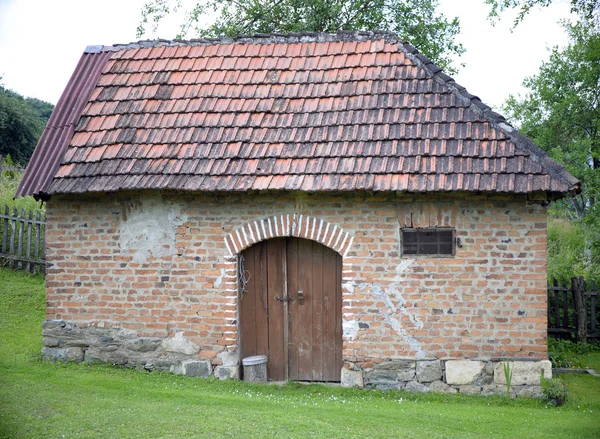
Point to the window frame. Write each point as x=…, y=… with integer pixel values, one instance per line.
x=428, y=229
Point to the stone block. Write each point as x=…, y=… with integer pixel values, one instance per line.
x=107, y=354
x=470, y=389
x=523, y=372
x=492, y=389
x=463, y=372
x=441, y=387
x=484, y=378
x=396, y=365
x=74, y=342
x=415, y=386
x=229, y=358
x=528, y=391
x=144, y=344
x=389, y=386
x=56, y=324
x=193, y=368
x=50, y=342
x=92, y=357
x=429, y=371
x=395, y=370
x=180, y=345
x=227, y=372
x=352, y=378
x=163, y=365
x=62, y=354
x=381, y=376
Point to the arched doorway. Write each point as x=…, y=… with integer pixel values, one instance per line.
x=291, y=308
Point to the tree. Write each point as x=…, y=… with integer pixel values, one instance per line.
x=414, y=20
x=22, y=121
x=587, y=9
x=561, y=113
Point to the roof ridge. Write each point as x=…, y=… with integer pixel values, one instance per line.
x=258, y=38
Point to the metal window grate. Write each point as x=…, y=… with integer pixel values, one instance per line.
x=429, y=242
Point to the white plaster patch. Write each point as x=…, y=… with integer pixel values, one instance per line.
x=219, y=279
x=148, y=228
x=179, y=344
x=402, y=267
x=350, y=328
x=392, y=312
x=349, y=286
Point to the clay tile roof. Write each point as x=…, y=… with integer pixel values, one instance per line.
x=310, y=112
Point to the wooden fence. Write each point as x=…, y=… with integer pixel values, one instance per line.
x=23, y=237
x=572, y=310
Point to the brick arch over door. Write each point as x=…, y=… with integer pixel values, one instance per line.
x=280, y=226
x=285, y=225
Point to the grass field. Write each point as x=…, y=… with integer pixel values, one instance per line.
x=46, y=400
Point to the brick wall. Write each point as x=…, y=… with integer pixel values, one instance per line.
x=164, y=264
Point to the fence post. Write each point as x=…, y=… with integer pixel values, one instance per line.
x=578, y=287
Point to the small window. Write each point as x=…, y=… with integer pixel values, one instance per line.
x=428, y=242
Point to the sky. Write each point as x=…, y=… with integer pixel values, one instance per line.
x=42, y=40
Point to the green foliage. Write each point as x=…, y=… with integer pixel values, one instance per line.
x=414, y=20
x=561, y=113
x=588, y=9
x=559, y=345
x=563, y=360
x=508, y=376
x=9, y=180
x=567, y=354
x=22, y=121
x=566, y=251
x=8, y=170
x=559, y=353
x=554, y=390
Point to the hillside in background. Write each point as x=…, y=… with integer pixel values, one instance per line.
x=22, y=121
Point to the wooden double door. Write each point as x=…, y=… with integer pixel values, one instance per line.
x=291, y=308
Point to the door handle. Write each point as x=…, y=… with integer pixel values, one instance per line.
x=300, y=297
x=282, y=299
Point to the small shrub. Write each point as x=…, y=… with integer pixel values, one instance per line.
x=560, y=359
x=554, y=390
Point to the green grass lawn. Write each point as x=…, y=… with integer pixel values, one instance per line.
x=587, y=361
x=46, y=400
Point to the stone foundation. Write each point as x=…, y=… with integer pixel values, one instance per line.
x=470, y=377
x=64, y=341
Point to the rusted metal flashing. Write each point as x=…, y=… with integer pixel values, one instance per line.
x=60, y=128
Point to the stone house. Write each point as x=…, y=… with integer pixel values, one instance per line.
x=334, y=201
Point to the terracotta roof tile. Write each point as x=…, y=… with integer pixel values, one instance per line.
x=320, y=112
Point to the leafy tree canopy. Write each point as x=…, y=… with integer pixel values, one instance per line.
x=414, y=20
x=22, y=121
x=561, y=113
x=588, y=9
